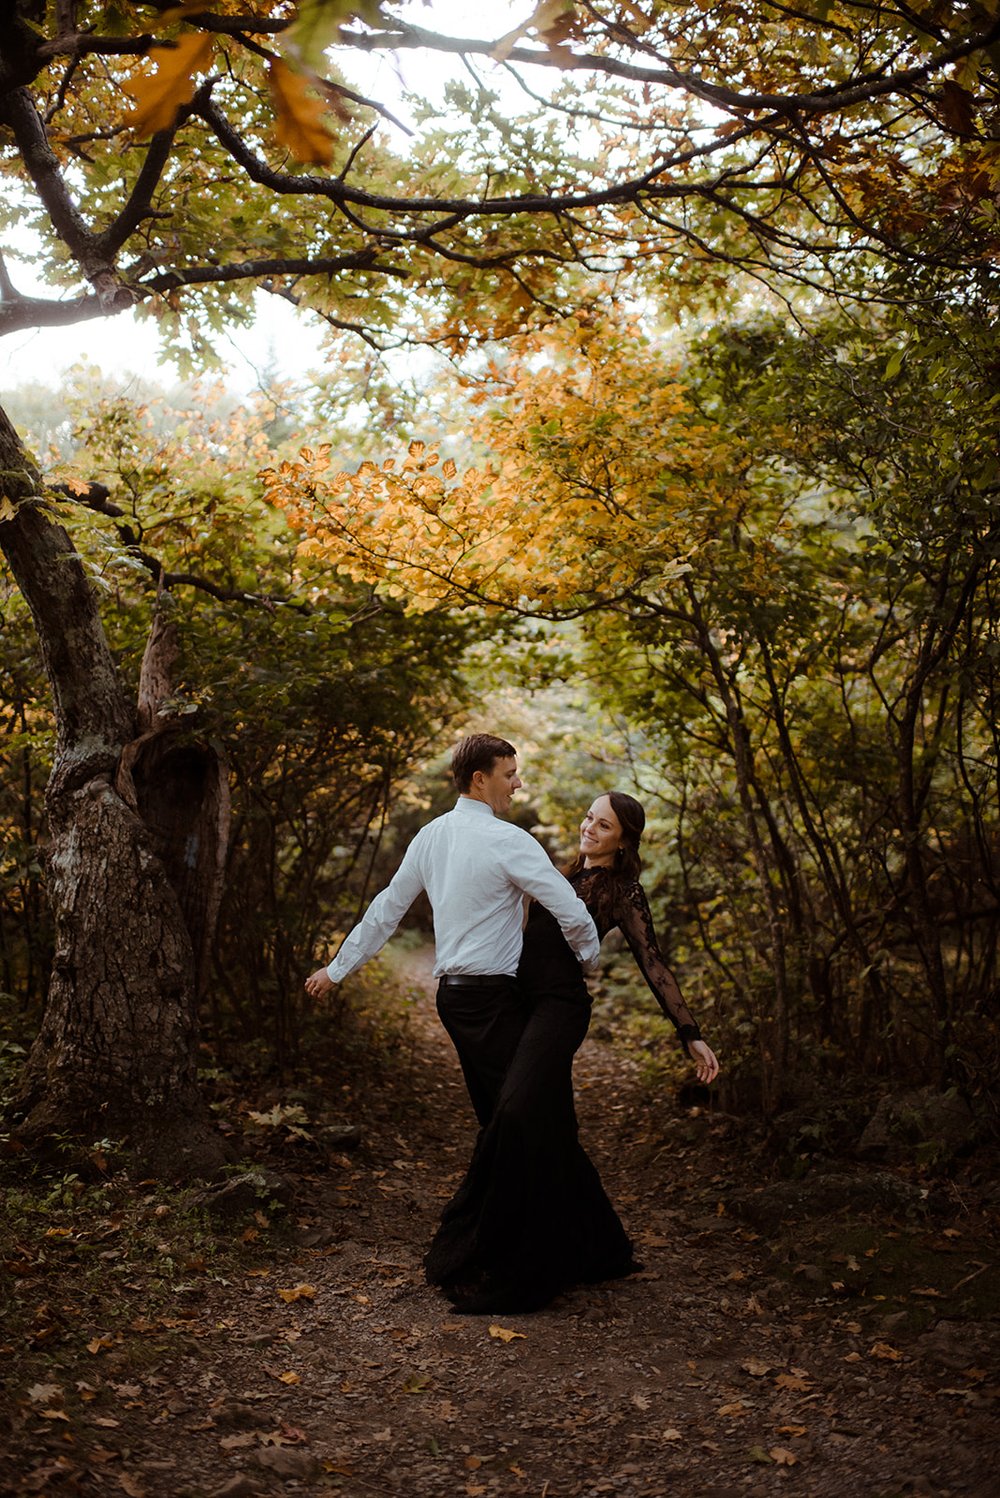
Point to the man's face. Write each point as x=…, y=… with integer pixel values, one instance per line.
x=497, y=786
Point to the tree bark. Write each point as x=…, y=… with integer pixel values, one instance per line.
x=115, y=1057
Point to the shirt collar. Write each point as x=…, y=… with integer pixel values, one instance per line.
x=467, y=804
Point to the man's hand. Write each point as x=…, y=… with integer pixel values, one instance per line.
x=319, y=984
x=704, y=1059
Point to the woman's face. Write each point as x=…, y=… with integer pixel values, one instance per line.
x=600, y=833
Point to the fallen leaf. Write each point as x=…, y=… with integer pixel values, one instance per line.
x=929, y=1291
x=298, y=1292
x=504, y=1335
x=782, y=1456
x=236, y=1443
x=44, y=1393
x=756, y=1368
x=671, y=1435
x=58, y=1232
x=793, y=1381
x=885, y=1352
x=758, y=1454
x=130, y=1486
x=734, y=1411
x=56, y=1415
x=108, y=1422
x=98, y=1344
x=641, y=1401
x=416, y=1383
x=852, y=1357
x=792, y=1430
x=473, y=1463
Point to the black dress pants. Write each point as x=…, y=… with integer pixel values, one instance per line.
x=485, y=1026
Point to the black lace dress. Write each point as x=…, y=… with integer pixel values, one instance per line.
x=531, y=1217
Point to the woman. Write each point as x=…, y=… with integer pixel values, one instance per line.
x=531, y=1217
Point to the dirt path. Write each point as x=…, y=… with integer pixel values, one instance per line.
x=710, y=1374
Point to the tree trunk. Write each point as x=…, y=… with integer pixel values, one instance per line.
x=116, y=1053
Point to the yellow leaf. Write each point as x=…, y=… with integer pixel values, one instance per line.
x=288, y=1378
x=299, y=1292
x=885, y=1352
x=504, y=1335
x=301, y=116
x=159, y=95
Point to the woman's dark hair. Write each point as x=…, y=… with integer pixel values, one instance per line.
x=479, y=751
x=627, y=865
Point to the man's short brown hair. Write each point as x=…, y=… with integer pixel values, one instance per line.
x=479, y=751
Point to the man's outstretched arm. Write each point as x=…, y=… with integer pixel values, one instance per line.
x=374, y=929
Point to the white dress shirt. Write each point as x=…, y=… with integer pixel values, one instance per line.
x=475, y=869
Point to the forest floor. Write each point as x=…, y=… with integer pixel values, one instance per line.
x=154, y=1349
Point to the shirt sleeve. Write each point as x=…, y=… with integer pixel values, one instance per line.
x=381, y=918
x=531, y=870
x=636, y=922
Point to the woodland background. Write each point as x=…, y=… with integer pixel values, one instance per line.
x=657, y=430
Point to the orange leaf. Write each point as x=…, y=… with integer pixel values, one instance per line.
x=301, y=116
x=300, y=1292
x=783, y=1456
x=159, y=95
x=790, y=1381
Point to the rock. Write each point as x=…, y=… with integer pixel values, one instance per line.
x=287, y=1464
x=957, y=1345
x=234, y=1415
x=339, y=1136
x=767, y=1207
x=929, y=1126
x=240, y=1486
x=248, y=1192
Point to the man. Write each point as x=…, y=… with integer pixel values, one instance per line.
x=476, y=870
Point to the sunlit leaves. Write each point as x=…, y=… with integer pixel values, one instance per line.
x=600, y=482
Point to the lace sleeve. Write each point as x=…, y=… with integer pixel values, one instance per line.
x=636, y=922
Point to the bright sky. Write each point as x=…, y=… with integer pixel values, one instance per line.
x=280, y=340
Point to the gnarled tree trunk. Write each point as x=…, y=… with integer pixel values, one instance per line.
x=116, y=1053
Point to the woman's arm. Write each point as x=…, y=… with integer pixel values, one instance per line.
x=636, y=922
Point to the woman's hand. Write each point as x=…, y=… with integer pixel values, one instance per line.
x=704, y=1059
x=318, y=984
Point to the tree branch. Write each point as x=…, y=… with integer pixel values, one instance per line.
x=835, y=97
x=17, y=110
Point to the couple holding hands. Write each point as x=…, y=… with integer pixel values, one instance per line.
x=531, y=1217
